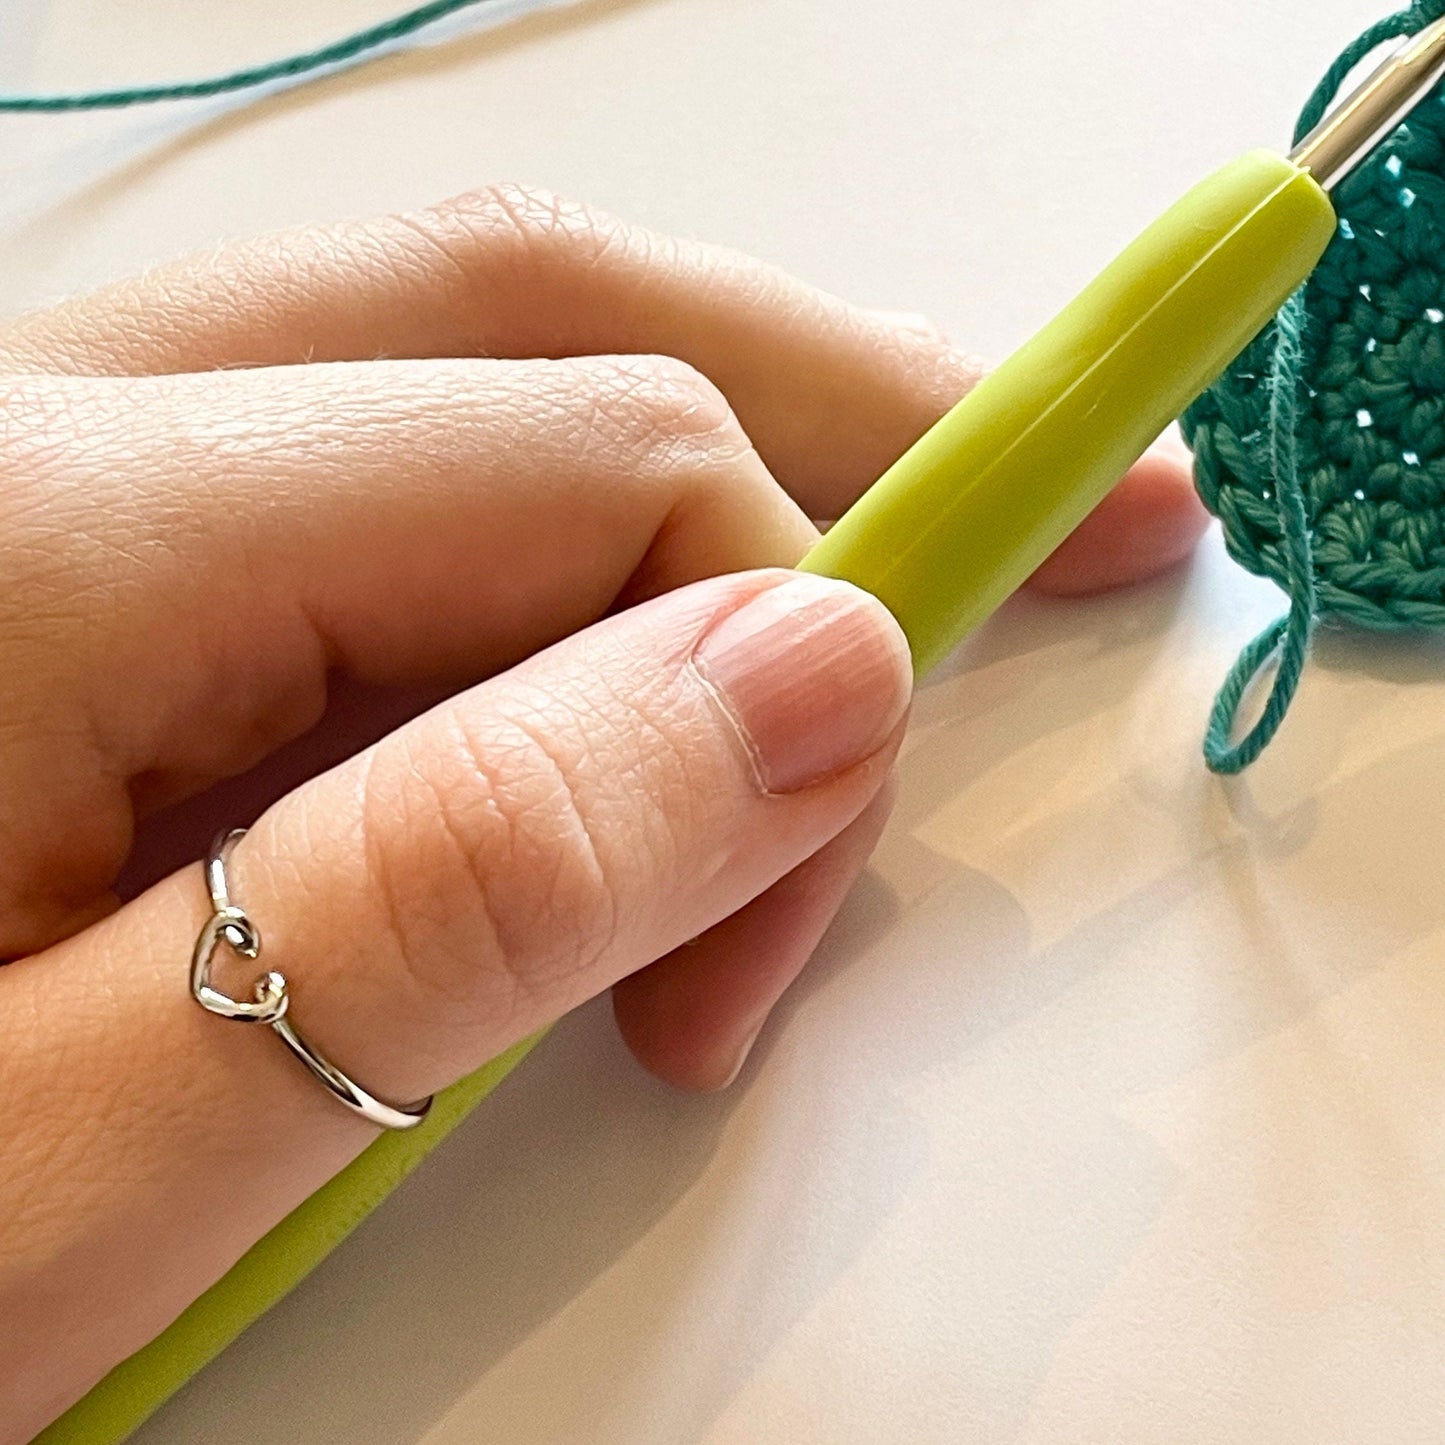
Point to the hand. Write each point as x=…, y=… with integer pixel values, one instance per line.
x=493, y=635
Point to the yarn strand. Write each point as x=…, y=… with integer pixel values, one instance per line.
x=1289, y=636
x=338, y=52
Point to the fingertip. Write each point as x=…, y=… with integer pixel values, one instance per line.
x=1149, y=523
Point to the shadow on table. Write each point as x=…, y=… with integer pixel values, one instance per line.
x=554, y=1177
x=1401, y=657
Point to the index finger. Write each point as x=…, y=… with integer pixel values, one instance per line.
x=829, y=393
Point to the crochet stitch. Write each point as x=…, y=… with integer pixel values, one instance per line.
x=1322, y=448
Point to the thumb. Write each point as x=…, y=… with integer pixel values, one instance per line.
x=430, y=901
x=525, y=845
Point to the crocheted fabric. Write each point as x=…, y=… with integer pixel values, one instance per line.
x=1322, y=448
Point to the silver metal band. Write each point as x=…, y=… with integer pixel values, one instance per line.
x=1358, y=123
x=230, y=924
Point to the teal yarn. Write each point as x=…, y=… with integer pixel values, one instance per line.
x=1322, y=448
x=308, y=62
x=1290, y=636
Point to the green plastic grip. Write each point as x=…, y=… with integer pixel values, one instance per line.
x=948, y=532
x=961, y=520
x=137, y=1387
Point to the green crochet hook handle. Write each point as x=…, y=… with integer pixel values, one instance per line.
x=962, y=518
x=942, y=538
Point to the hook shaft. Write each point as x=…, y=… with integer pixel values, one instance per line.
x=1370, y=112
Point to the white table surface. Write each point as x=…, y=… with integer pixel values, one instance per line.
x=1111, y=1109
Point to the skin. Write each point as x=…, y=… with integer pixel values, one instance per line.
x=418, y=542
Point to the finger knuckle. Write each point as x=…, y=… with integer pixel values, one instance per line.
x=527, y=226
x=506, y=885
x=665, y=412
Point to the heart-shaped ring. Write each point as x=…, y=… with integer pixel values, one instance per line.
x=231, y=926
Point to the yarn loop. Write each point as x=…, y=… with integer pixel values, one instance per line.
x=1322, y=448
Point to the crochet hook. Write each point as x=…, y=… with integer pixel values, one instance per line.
x=954, y=526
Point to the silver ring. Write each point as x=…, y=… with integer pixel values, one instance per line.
x=229, y=924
